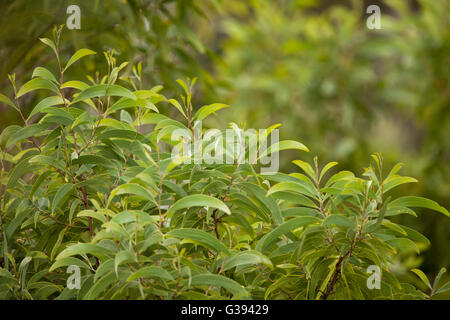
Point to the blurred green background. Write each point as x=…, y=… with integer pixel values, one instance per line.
x=343, y=90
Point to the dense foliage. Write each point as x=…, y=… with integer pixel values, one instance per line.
x=92, y=182
x=313, y=65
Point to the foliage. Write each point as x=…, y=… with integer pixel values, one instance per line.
x=92, y=183
x=156, y=33
x=347, y=90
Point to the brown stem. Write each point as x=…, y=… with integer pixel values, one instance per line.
x=337, y=271
x=86, y=205
x=216, y=224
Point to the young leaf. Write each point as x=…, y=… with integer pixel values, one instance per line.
x=422, y=276
x=326, y=168
x=78, y=55
x=177, y=105
x=44, y=74
x=306, y=167
x=396, y=181
x=284, y=145
x=205, y=111
x=49, y=43
x=7, y=101
x=102, y=90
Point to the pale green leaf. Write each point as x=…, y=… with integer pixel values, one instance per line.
x=199, y=236
x=284, y=145
x=36, y=84
x=77, y=56
x=102, y=90
x=205, y=111
x=199, y=200
x=422, y=276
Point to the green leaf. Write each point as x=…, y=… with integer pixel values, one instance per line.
x=250, y=257
x=102, y=90
x=403, y=245
x=199, y=200
x=437, y=280
x=268, y=203
x=75, y=84
x=444, y=288
x=45, y=103
x=176, y=161
x=293, y=187
x=16, y=222
x=396, y=181
x=23, y=269
x=58, y=243
x=64, y=192
x=283, y=229
x=49, y=43
x=393, y=226
x=422, y=276
x=183, y=85
x=411, y=201
x=85, y=248
x=394, y=170
x=220, y=281
x=124, y=103
x=326, y=168
x=44, y=74
x=205, y=111
x=177, y=105
x=64, y=262
x=8, y=101
x=92, y=214
x=78, y=55
x=131, y=188
x=19, y=170
x=36, y=84
x=199, y=236
x=100, y=285
x=151, y=272
x=46, y=160
x=416, y=236
x=93, y=159
x=306, y=167
x=342, y=175
x=337, y=219
x=284, y=145
x=122, y=257
x=26, y=133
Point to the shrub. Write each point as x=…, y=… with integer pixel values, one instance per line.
x=93, y=185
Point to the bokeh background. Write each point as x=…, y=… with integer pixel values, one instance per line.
x=343, y=90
